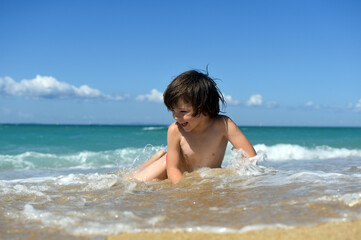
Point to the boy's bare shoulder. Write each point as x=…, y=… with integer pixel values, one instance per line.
x=173, y=135
x=173, y=130
x=225, y=117
x=223, y=120
x=225, y=123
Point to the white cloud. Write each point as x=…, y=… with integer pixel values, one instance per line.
x=271, y=104
x=48, y=87
x=255, y=100
x=153, y=96
x=311, y=104
x=357, y=107
x=24, y=115
x=230, y=100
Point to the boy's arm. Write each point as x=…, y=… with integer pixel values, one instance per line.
x=238, y=139
x=173, y=156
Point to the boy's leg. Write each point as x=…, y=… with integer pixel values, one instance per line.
x=155, y=169
x=155, y=157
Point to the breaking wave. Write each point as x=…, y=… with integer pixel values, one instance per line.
x=130, y=157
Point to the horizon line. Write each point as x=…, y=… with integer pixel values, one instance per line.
x=166, y=125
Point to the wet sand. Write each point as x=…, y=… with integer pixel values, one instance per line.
x=328, y=231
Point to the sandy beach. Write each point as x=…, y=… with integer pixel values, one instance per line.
x=328, y=231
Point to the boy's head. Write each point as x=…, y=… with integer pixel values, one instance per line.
x=195, y=88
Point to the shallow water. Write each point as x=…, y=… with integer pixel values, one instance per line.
x=87, y=195
x=212, y=200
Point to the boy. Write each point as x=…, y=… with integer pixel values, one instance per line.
x=199, y=136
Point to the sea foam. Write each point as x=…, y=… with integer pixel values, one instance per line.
x=281, y=152
x=132, y=157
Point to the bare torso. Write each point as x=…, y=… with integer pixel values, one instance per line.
x=205, y=149
x=194, y=143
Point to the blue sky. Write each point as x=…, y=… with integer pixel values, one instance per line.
x=279, y=63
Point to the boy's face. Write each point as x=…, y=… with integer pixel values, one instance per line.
x=183, y=114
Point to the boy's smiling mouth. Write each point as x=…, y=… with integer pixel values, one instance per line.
x=183, y=124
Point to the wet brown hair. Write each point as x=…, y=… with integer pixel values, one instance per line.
x=195, y=88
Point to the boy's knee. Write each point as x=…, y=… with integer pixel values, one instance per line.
x=162, y=152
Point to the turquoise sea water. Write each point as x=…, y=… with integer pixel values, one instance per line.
x=54, y=146
x=69, y=180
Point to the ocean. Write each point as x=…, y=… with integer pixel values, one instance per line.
x=69, y=181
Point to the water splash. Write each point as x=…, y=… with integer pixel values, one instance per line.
x=246, y=166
